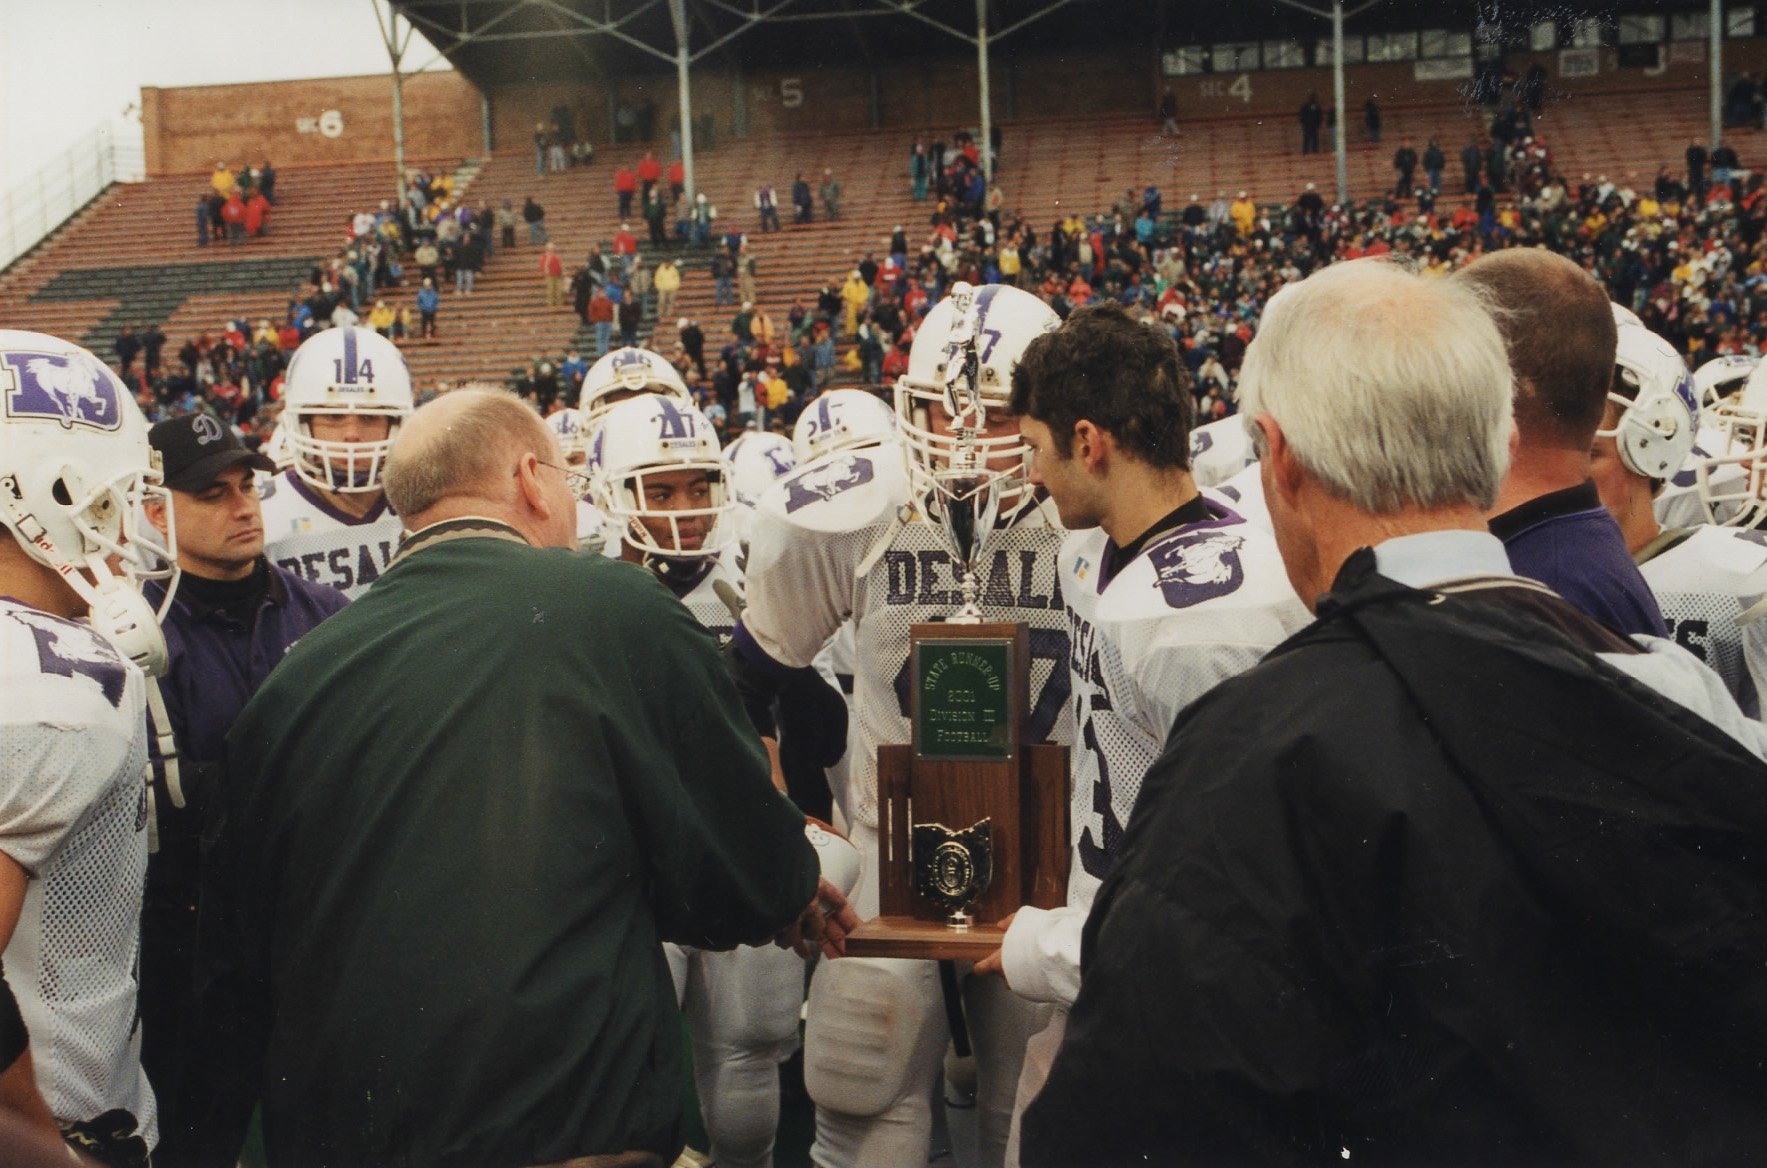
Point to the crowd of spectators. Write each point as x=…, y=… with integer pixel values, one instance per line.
x=1686, y=252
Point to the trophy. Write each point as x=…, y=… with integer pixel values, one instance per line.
x=973, y=819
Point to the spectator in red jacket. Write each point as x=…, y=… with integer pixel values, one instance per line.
x=649, y=171
x=257, y=214
x=625, y=186
x=626, y=246
x=677, y=180
x=233, y=215
x=552, y=268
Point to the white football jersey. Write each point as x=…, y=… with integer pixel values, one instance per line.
x=317, y=542
x=1244, y=495
x=590, y=523
x=73, y=814
x=1679, y=504
x=1220, y=450
x=707, y=606
x=1199, y=604
x=1704, y=584
x=813, y=532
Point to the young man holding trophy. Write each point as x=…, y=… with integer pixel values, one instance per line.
x=951, y=533
x=1167, y=593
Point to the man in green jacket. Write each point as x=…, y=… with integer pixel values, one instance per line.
x=458, y=826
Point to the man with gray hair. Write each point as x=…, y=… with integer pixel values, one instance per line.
x=1438, y=880
x=458, y=826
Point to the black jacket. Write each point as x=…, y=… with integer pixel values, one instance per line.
x=1431, y=884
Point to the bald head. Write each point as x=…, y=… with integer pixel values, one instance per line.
x=1558, y=326
x=459, y=455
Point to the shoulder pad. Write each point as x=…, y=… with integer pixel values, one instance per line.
x=841, y=491
x=1185, y=569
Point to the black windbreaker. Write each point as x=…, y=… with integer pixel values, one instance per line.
x=1432, y=884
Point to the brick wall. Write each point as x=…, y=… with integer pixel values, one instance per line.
x=337, y=119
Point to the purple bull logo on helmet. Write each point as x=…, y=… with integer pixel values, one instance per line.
x=66, y=388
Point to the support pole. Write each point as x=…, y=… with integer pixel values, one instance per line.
x=1715, y=68
x=1337, y=89
x=678, y=13
x=395, y=53
x=987, y=142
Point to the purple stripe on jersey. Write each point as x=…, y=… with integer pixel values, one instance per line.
x=349, y=356
x=306, y=492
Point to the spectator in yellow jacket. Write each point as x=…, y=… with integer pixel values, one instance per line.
x=667, y=282
x=856, y=296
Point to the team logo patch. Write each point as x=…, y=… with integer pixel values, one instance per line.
x=1197, y=567
x=69, y=389
x=207, y=430
x=826, y=481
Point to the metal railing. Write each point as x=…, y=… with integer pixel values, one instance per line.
x=34, y=208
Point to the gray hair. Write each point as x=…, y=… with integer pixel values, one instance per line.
x=1392, y=389
x=469, y=453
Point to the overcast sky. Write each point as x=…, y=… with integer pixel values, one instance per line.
x=73, y=64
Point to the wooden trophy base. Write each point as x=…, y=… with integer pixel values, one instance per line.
x=1030, y=868
x=897, y=936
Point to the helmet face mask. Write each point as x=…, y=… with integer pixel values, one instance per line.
x=951, y=405
x=76, y=476
x=1741, y=421
x=656, y=469
x=344, y=372
x=1656, y=426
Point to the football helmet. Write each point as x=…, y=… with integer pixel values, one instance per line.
x=573, y=437
x=755, y=460
x=344, y=371
x=275, y=448
x=1738, y=499
x=646, y=435
x=75, y=471
x=1720, y=377
x=842, y=419
x=960, y=371
x=1624, y=316
x=623, y=373
x=1659, y=416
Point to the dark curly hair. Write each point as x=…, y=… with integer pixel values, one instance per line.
x=1126, y=378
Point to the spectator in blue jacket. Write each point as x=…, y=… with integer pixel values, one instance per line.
x=428, y=300
x=232, y=618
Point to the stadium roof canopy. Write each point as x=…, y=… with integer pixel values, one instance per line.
x=501, y=42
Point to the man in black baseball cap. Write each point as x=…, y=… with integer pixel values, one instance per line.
x=234, y=615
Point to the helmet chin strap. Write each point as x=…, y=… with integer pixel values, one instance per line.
x=122, y=616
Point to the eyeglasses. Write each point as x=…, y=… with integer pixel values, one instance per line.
x=575, y=479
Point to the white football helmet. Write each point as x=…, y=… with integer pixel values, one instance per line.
x=1625, y=316
x=960, y=372
x=1658, y=422
x=344, y=371
x=275, y=448
x=842, y=419
x=573, y=437
x=1720, y=377
x=646, y=435
x=756, y=459
x=1738, y=500
x=622, y=373
x=75, y=471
